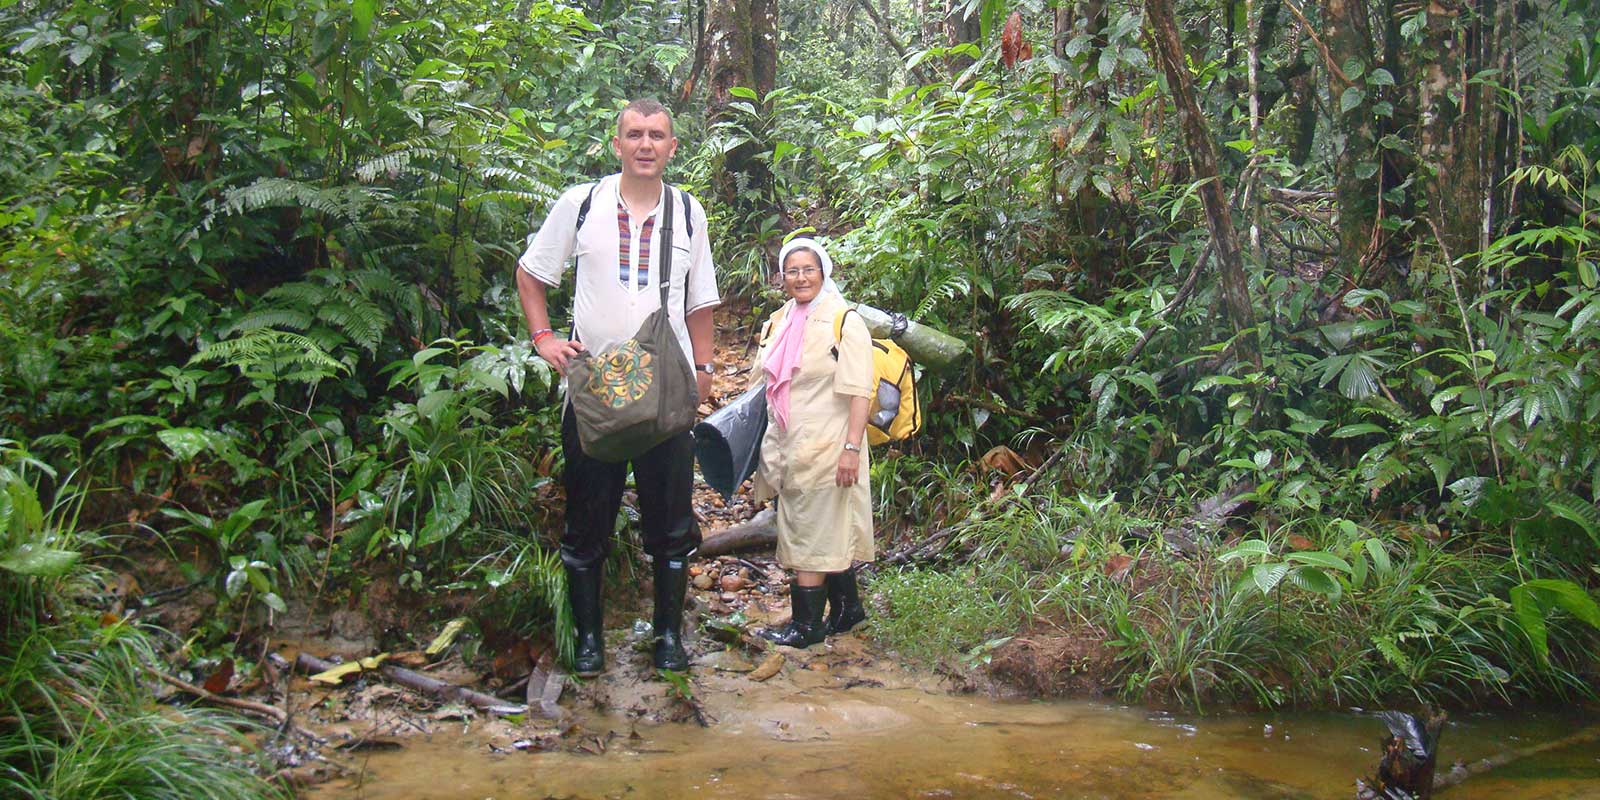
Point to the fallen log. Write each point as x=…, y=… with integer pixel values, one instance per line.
x=432, y=687
x=1462, y=772
x=760, y=533
x=273, y=713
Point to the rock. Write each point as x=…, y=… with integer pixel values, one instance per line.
x=733, y=583
x=703, y=582
x=729, y=597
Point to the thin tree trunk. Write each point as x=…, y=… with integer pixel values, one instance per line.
x=1203, y=162
x=959, y=28
x=1355, y=182
x=742, y=39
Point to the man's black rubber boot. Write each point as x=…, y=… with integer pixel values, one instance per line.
x=806, y=627
x=583, y=591
x=672, y=580
x=844, y=602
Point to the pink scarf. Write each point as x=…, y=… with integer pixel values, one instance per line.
x=783, y=361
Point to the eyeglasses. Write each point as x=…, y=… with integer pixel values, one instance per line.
x=809, y=272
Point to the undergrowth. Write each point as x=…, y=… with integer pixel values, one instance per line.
x=78, y=718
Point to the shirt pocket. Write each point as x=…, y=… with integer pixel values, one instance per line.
x=814, y=464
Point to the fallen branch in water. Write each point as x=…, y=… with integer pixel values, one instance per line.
x=1464, y=771
x=432, y=687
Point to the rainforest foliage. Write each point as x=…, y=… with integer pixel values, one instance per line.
x=1332, y=261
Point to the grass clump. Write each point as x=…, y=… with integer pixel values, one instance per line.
x=931, y=614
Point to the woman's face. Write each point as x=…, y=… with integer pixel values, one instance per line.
x=802, y=275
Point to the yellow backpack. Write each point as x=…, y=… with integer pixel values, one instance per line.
x=894, y=413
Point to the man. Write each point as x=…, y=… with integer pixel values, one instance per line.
x=610, y=226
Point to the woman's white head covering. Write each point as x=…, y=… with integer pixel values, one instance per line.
x=814, y=246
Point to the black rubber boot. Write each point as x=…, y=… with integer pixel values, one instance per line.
x=583, y=591
x=672, y=580
x=844, y=602
x=806, y=628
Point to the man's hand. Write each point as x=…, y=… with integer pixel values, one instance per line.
x=558, y=351
x=702, y=381
x=849, y=468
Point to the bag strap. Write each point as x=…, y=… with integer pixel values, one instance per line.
x=583, y=209
x=838, y=329
x=664, y=251
x=688, y=215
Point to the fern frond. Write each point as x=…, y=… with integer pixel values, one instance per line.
x=270, y=318
x=1542, y=45
x=358, y=318
x=268, y=352
x=948, y=288
x=392, y=163
x=302, y=293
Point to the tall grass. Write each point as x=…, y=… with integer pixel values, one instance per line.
x=78, y=719
x=1434, y=627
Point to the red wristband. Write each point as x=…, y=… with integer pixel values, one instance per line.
x=541, y=333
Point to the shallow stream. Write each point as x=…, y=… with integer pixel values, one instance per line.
x=805, y=736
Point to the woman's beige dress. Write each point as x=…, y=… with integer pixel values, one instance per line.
x=822, y=527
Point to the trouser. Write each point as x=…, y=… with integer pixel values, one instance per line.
x=664, y=480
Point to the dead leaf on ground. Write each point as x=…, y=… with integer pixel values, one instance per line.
x=217, y=682
x=769, y=667
x=446, y=637
x=1004, y=459
x=1118, y=566
x=409, y=658
x=334, y=676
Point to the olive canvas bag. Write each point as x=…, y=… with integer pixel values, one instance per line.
x=640, y=392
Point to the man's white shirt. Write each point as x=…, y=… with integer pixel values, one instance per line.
x=607, y=310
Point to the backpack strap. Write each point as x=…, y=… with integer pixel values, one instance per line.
x=838, y=329
x=688, y=217
x=583, y=209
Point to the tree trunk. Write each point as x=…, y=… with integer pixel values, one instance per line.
x=1203, y=162
x=1355, y=183
x=1460, y=122
x=960, y=28
x=742, y=42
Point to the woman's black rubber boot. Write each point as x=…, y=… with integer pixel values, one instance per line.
x=805, y=629
x=844, y=601
x=672, y=581
x=583, y=591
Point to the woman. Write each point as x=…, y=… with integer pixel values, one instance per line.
x=814, y=453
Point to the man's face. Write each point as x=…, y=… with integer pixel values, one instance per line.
x=644, y=144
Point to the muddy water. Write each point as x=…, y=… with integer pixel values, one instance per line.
x=807, y=738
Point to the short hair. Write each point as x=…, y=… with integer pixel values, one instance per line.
x=645, y=107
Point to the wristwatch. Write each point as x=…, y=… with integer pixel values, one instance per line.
x=708, y=369
x=852, y=447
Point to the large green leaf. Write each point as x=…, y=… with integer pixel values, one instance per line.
x=1534, y=600
x=450, y=510
x=1315, y=580
x=37, y=560
x=1320, y=558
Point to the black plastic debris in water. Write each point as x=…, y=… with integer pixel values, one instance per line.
x=1410, y=753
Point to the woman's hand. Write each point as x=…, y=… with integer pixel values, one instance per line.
x=849, y=468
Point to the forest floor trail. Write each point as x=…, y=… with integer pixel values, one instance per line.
x=731, y=598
